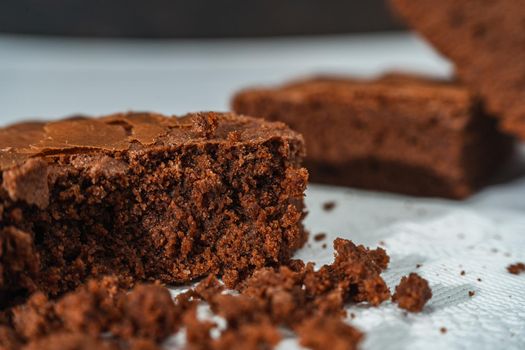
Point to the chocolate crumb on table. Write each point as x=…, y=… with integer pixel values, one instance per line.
x=321, y=333
x=144, y=316
x=462, y=273
x=292, y=294
x=412, y=293
x=471, y=293
x=320, y=236
x=101, y=314
x=517, y=268
x=329, y=206
x=382, y=134
x=145, y=196
x=443, y=330
x=484, y=40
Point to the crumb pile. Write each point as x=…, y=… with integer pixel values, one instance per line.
x=102, y=315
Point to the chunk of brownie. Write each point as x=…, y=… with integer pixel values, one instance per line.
x=146, y=197
x=486, y=42
x=412, y=293
x=319, y=333
x=399, y=133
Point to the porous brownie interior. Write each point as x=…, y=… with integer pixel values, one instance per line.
x=168, y=212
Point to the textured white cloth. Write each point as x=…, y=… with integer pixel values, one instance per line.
x=479, y=236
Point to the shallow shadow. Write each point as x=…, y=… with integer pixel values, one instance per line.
x=447, y=296
x=513, y=169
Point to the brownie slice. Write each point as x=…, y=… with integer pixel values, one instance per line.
x=146, y=197
x=486, y=42
x=400, y=133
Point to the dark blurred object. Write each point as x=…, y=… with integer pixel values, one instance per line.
x=193, y=18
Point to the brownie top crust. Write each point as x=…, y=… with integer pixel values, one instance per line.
x=130, y=131
x=450, y=100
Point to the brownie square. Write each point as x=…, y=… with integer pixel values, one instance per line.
x=399, y=133
x=486, y=42
x=146, y=197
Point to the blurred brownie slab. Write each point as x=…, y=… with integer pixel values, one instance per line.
x=486, y=42
x=399, y=133
x=146, y=197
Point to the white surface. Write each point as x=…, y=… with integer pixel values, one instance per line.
x=478, y=236
x=47, y=78
x=55, y=77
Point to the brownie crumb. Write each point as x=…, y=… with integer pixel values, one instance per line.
x=140, y=319
x=412, y=293
x=418, y=266
x=324, y=246
x=479, y=279
x=209, y=287
x=328, y=333
x=319, y=237
x=70, y=341
x=249, y=337
x=443, y=330
x=462, y=273
x=516, y=268
x=8, y=338
x=329, y=205
x=471, y=293
x=290, y=296
x=197, y=331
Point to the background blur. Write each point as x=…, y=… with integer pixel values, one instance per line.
x=193, y=18
x=61, y=57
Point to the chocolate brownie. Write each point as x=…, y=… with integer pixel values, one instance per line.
x=516, y=268
x=146, y=197
x=400, y=133
x=412, y=293
x=97, y=315
x=485, y=40
x=320, y=333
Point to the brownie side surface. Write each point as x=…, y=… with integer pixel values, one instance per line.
x=146, y=197
x=485, y=40
x=398, y=133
